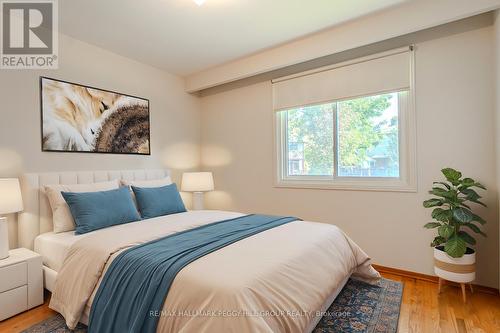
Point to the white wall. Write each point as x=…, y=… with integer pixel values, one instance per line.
x=175, y=123
x=497, y=90
x=455, y=127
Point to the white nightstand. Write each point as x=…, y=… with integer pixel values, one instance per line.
x=21, y=282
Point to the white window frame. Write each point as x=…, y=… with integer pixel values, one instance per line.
x=407, y=180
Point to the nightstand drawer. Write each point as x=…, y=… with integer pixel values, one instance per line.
x=13, y=301
x=13, y=276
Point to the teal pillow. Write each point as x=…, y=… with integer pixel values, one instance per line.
x=97, y=210
x=158, y=201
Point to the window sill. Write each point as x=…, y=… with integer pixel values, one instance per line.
x=349, y=185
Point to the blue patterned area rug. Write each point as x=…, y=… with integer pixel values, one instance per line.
x=363, y=307
x=360, y=307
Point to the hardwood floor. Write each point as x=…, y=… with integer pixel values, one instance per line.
x=422, y=310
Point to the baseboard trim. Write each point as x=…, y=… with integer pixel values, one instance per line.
x=430, y=278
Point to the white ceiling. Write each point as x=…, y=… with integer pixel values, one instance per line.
x=183, y=38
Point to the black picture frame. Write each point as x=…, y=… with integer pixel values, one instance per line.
x=85, y=151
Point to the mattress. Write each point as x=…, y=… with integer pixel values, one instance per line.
x=54, y=247
x=298, y=267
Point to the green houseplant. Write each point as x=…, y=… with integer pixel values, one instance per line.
x=453, y=216
x=454, y=220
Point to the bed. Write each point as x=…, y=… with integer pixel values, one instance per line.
x=278, y=280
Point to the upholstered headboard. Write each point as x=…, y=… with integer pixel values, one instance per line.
x=37, y=215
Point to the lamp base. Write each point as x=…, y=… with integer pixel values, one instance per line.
x=4, y=238
x=198, y=201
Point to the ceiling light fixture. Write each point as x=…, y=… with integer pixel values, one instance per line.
x=199, y=2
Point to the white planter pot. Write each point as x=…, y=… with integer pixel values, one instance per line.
x=460, y=270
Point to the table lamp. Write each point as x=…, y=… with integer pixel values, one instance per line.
x=10, y=202
x=197, y=182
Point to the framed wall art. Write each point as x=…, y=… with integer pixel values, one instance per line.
x=79, y=118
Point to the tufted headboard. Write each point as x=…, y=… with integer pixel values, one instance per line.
x=37, y=215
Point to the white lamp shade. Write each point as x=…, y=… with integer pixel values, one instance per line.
x=197, y=182
x=11, y=200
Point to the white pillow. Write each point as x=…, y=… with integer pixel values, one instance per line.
x=61, y=215
x=147, y=183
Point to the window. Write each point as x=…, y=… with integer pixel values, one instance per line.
x=368, y=136
x=309, y=137
x=362, y=142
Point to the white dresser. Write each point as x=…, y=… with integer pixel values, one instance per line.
x=21, y=282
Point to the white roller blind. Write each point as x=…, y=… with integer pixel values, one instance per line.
x=365, y=76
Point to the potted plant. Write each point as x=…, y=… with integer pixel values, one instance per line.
x=454, y=257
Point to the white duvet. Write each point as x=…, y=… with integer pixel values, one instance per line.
x=275, y=281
